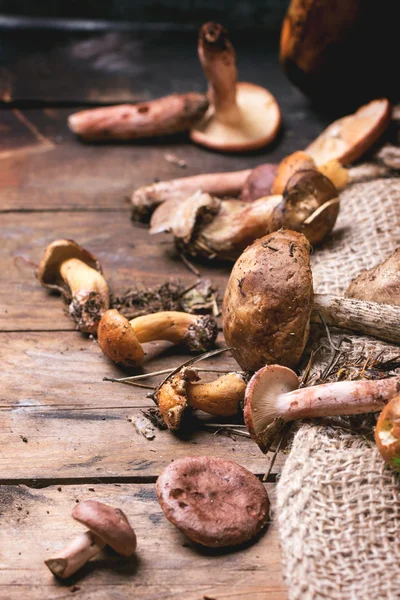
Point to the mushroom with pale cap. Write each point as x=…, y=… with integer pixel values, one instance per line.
x=379, y=284
x=387, y=433
x=215, y=502
x=269, y=303
x=121, y=340
x=221, y=397
x=272, y=393
x=76, y=273
x=107, y=526
x=241, y=116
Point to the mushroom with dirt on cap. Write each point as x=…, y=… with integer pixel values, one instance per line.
x=215, y=502
x=107, y=526
x=241, y=116
x=121, y=340
x=179, y=392
x=70, y=269
x=272, y=393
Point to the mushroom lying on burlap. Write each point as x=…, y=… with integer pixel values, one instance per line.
x=207, y=226
x=272, y=393
x=221, y=397
x=269, y=303
x=241, y=116
x=70, y=269
x=121, y=340
x=379, y=284
x=215, y=502
x=171, y=114
x=107, y=526
x=387, y=433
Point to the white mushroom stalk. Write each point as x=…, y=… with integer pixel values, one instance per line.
x=272, y=393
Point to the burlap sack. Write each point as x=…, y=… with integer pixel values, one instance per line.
x=338, y=505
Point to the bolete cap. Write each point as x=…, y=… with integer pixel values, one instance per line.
x=55, y=254
x=261, y=395
x=107, y=522
x=387, y=432
x=118, y=340
x=215, y=502
x=297, y=161
x=171, y=397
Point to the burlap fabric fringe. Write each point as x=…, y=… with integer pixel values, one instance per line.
x=338, y=505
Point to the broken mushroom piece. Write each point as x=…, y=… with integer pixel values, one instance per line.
x=272, y=394
x=107, y=526
x=387, y=433
x=220, y=397
x=379, y=284
x=171, y=114
x=204, y=225
x=121, y=339
x=241, y=116
x=350, y=137
x=70, y=269
x=269, y=303
x=215, y=502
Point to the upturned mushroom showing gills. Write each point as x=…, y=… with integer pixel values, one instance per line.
x=379, y=284
x=204, y=225
x=215, y=502
x=107, y=526
x=269, y=303
x=70, y=269
x=171, y=114
x=221, y=397
x=121, y=340
x=387, y=433
x=272, y=394
x=242, y=116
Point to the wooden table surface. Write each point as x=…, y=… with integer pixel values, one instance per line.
x=66, y=434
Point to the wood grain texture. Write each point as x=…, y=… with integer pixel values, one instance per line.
x=37, y=523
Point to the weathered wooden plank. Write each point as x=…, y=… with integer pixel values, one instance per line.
x=128, y=254
x=41, y=442
x=37, y=523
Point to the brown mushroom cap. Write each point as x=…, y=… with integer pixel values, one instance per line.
x=387, y=432
x=215, y=502
x=310, y=205
x=298, y=161
x=118, y=340
x=380, y=284
x=171, y=397
x=268, y=301
x=55, y=254
x=348, y=138
x=109, y=523
x=259, y=183
x=270, y=381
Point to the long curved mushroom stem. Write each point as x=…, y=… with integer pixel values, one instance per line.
x=71, y=558
x=370, y=318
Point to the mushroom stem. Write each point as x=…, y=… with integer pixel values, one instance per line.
x=75, y=555
x=370, y=318
x=82, y=279
x=146, y=199
x=220, y=397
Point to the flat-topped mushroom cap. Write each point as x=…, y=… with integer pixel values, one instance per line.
x=118, y=341
x=261, y=393
x=348, y=138
x=387, y=432
x=298, y=161
x=379, y=284
x=171, y=397
x=215, y=502
x=109, y=523
x=55, y=254
x=268, y=301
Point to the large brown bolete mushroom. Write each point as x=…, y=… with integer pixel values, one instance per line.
x=171, y=114
x=220, y=397
x=272, y=394
x=269, y=303
x=214, y=502
x=242, y=116
x=207, y=226
x=387, y=433
x=121, y=340
x=76, y=273
x=379, y=284
x=107, y=526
